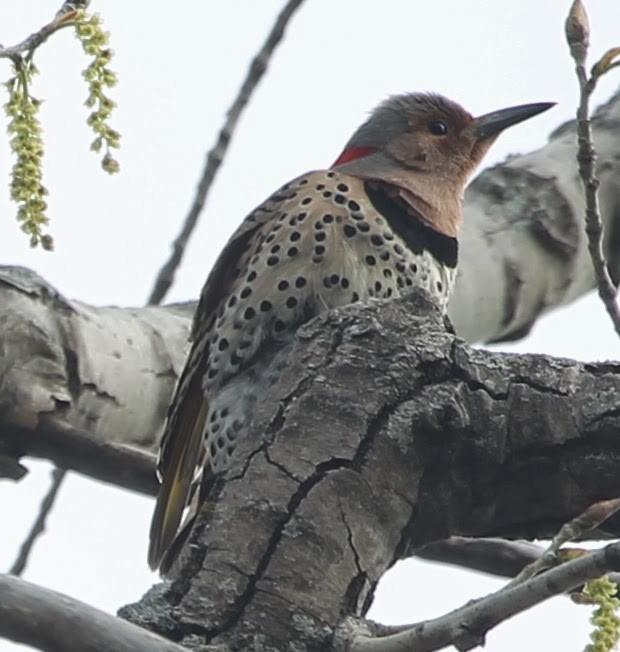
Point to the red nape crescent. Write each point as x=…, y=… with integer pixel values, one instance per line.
x=352, y=154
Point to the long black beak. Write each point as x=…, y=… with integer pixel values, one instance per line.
x=491, y=124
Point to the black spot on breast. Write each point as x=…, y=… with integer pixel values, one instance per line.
x=344, y=282
x=235, y=360
x=300, y=282
x=306, y=200
x=320, y=236
x=349, y=231
x=251, y=276
x=274, y=250
x=232, y=301
x=291, y=302
x=342, y=187
x=249, y=313
x=283, y=285
x=223, y=345
x=377, y=240
x=340, y=199
x=439, y=286
x=293, y=251
x=245, y=293
x=279, y=326
x=272, y=261
x=387, y=273
x=317, y=259
x=327, y=194
x=328, y=219
x=265, y=306
x=319, y=250
x=371, y=260
x=363, y=227
x=295, y=236
x=353, y=206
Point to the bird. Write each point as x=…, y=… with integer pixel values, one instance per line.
x=382, y=220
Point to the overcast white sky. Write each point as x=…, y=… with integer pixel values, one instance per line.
x=179, y=66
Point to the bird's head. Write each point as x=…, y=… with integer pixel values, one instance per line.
x=424, y=147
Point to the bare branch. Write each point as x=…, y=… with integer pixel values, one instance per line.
x=38, y=527
x=53, y=622
x=257, y=69
x=63, y=18
x=577, y=34
x=489, y=555
x=80, y=451
x=575, y=528
x=465, y=628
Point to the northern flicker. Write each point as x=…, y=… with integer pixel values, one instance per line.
x=383, y=219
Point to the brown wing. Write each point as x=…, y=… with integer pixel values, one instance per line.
x=183, y=457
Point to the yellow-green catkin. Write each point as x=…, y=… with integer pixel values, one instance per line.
x=99, y=77
x=24, y=128
x=606, y=632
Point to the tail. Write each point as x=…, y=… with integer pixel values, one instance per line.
x=183, y=458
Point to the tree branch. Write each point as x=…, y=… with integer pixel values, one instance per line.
x=577, y=34
x=38, y=527
x=54, y=622
x=78, y=450
x=385, y=433
x=465, y=628
x=216, y=155
x=62, y=19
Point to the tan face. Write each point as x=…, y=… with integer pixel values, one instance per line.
x=440, y=143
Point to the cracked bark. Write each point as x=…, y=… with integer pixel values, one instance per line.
x=386, y=432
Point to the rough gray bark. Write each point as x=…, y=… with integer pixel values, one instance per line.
x=386, y=432
x=105, y=374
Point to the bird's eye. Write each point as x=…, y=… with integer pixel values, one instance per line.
x=438, y=128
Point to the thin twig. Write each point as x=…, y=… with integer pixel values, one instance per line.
x=257, y=69
x=577, y=34
x=38, y=527
x=63, y=17
x=590, y=518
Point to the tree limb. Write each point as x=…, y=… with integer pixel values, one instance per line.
x=383, y=434
x=54, y=622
